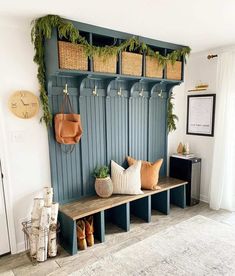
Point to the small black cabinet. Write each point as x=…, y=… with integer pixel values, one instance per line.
x=190, y=171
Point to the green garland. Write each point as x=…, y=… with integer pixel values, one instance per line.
x=42, y=29
x=171, y=117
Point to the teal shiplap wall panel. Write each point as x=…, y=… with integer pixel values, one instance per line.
x=114, y=125
x=93, y=142
x=65, y=168
x=117, y=122
x=138, y=123
x=157, y=129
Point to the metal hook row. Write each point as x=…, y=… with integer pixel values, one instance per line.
x=65, y=90
x=95, y=93
x=160, y=94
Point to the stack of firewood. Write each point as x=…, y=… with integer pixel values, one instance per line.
x=43, y=227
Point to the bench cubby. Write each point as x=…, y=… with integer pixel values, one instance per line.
x=177, y=196
x=161, y=202
x=120, y=216
x=118, y=209
x=141, y=208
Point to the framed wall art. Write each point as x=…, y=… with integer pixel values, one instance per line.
x=201, y=114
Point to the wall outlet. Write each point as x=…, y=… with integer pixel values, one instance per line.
x=17, y=136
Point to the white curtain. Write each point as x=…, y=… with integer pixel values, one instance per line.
x=222, y=188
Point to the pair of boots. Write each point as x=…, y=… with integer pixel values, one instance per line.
x=85, y=230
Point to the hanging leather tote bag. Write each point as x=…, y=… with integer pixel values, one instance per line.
x=68, y=129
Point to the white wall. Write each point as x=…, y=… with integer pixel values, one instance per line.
x=198, y=69
x=24, y=142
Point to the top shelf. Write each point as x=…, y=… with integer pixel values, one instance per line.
x=103, y=76
x=100, y=37
x=96, y=30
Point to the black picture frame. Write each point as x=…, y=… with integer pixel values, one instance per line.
x=206, y=103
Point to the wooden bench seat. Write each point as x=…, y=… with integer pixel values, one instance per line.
x=91, y=205
x=120, y=206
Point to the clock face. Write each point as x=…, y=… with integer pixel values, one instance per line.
x=24, y=104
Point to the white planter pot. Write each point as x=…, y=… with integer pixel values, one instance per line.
x=104, y=187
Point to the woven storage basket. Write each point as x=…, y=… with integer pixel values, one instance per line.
x=131, y=64
x=173, y=72
x=72, y=56
x=105, y=64
x=153, y=69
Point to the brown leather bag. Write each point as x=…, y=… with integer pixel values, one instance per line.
x=68, y=129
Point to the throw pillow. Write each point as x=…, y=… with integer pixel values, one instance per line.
x=126, y=181
x=149, y=173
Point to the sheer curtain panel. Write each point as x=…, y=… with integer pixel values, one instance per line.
x=222, y=188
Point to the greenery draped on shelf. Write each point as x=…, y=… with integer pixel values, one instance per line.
x=42, y=29
x=171, y=117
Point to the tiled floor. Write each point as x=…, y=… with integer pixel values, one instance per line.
x=116, y=239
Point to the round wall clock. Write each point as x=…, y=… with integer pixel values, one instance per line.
x=24, y=104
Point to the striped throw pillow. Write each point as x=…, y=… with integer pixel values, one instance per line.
x=126, y=181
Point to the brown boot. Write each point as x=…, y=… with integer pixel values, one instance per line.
x=89, y=230
x=81, y=236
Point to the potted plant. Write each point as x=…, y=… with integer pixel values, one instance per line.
x=103, y=182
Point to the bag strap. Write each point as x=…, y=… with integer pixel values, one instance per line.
x=67, y=151
x=66, y=103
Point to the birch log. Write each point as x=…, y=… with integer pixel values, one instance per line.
x=52, y=244
x=35, y=221
x=37, y=211
x=43, y=234
x=42, y=246
x=45, y=218
x=54, y=213
x=33, y=241
x=48, y=195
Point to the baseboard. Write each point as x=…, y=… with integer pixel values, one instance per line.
x=204, y=198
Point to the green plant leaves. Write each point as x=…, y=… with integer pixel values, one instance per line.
x=101, y=172
x=171, y=117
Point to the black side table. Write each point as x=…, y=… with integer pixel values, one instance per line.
x=190, y=171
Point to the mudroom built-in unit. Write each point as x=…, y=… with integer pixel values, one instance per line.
x=123, y=101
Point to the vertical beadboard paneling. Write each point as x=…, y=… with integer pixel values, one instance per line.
x=114, y=126
x=157, y=129
x=93, y=142
x=53, y=155
x=117, y=125
x=138, y=125
x=65, y=167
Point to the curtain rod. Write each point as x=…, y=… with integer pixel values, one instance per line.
x=211, y=56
